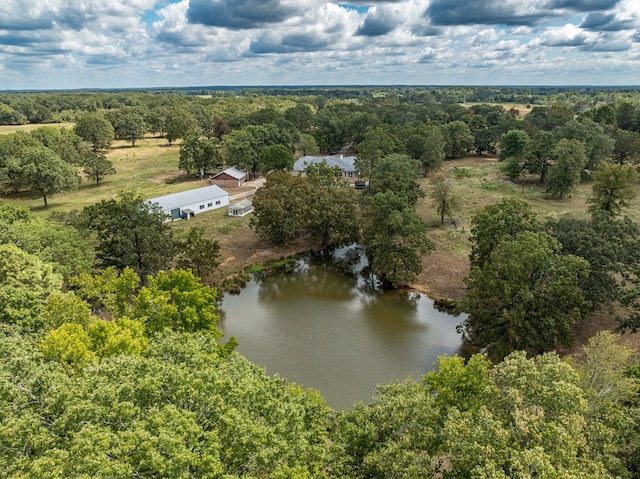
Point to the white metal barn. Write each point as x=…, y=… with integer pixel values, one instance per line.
x=186, y=204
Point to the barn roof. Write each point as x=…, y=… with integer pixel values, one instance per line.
x=233, y=172
x=176, y=200
x=345, y=163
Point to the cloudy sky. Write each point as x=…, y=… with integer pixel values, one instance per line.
x=57, y=44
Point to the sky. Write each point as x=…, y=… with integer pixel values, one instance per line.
x=70, y=44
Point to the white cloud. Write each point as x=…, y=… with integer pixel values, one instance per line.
x=124, y=43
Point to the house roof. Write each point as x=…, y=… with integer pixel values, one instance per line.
x=176, y=200
x=233, y=172
x=345, y=163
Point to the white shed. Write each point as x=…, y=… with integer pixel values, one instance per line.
x=186, y=204
x=241, y=208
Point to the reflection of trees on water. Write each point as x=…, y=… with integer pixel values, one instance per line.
x=321, y=283
x=393, y=310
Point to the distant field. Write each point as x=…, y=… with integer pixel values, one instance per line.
x=13, y=128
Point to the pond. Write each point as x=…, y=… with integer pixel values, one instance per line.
x=324, y=325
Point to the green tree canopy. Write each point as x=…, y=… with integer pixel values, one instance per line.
x=130, y=232
x=526, y=296
x=395, y=238
x=613, y=188
x=570, y=159
x=96, y=166
x=281, y=207
x=42, y=172
x=96, y=130
x=443, y=197
x=458, y=139
x=499, y=222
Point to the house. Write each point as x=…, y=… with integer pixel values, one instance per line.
x=345, y=163
x=188, y=203
x=241, y=208
x=231, y=177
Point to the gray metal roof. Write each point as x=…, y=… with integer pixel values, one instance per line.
x=233, y=172
x=177, y=200
x=345, y=163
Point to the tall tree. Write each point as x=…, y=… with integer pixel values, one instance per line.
x=526, y=296
x=397, y=173
x=443, y=197
x=180, y=123
x=277, y=157
x=513, y=144
x=627, y=146
x=197, y=253
x=130, y=232
x=570, y=159
x=95, y=129
x=538, y=154
x=458, y=139
x=395, y=238
x=96, y=166
x=281, y=207
x=333, y=207
x=377, y=143
x=42, y=172
x=198, y=154
x=613, y=188
x=499, y=222
x=128, y=123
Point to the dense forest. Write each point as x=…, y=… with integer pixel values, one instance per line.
x=112, y=363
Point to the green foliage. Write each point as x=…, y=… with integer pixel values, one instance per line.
x=397, y=173
x=610, y=245
x=426, y=144
x=41, y=171
x=69, y=345
x=332, y=208
x=197, y=253
x=97, y=166
x=458, y=139
x=525, y=296
x=280, y=207
x=131, y=233
x=626, y=147
x=513, y=144
x=25, y=283
x=176, y=300
x=179, y=124
x=395, y=238
x=186, y=408
x=512, y=168
x=538, y=154
x=61, y=245
x=63, y=308
x=109, y=292
x=277, y=157
x=613, y=188
x=128, y=123
x=96, y=130
x=377, y=144
x=443, y=197
x=570, y=159
x=496, y=223
x=198, y=155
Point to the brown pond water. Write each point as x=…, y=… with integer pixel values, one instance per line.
x=324, y=325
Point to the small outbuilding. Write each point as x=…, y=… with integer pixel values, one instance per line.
x=231, y=177
x=187, y=204
x=241, y=208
